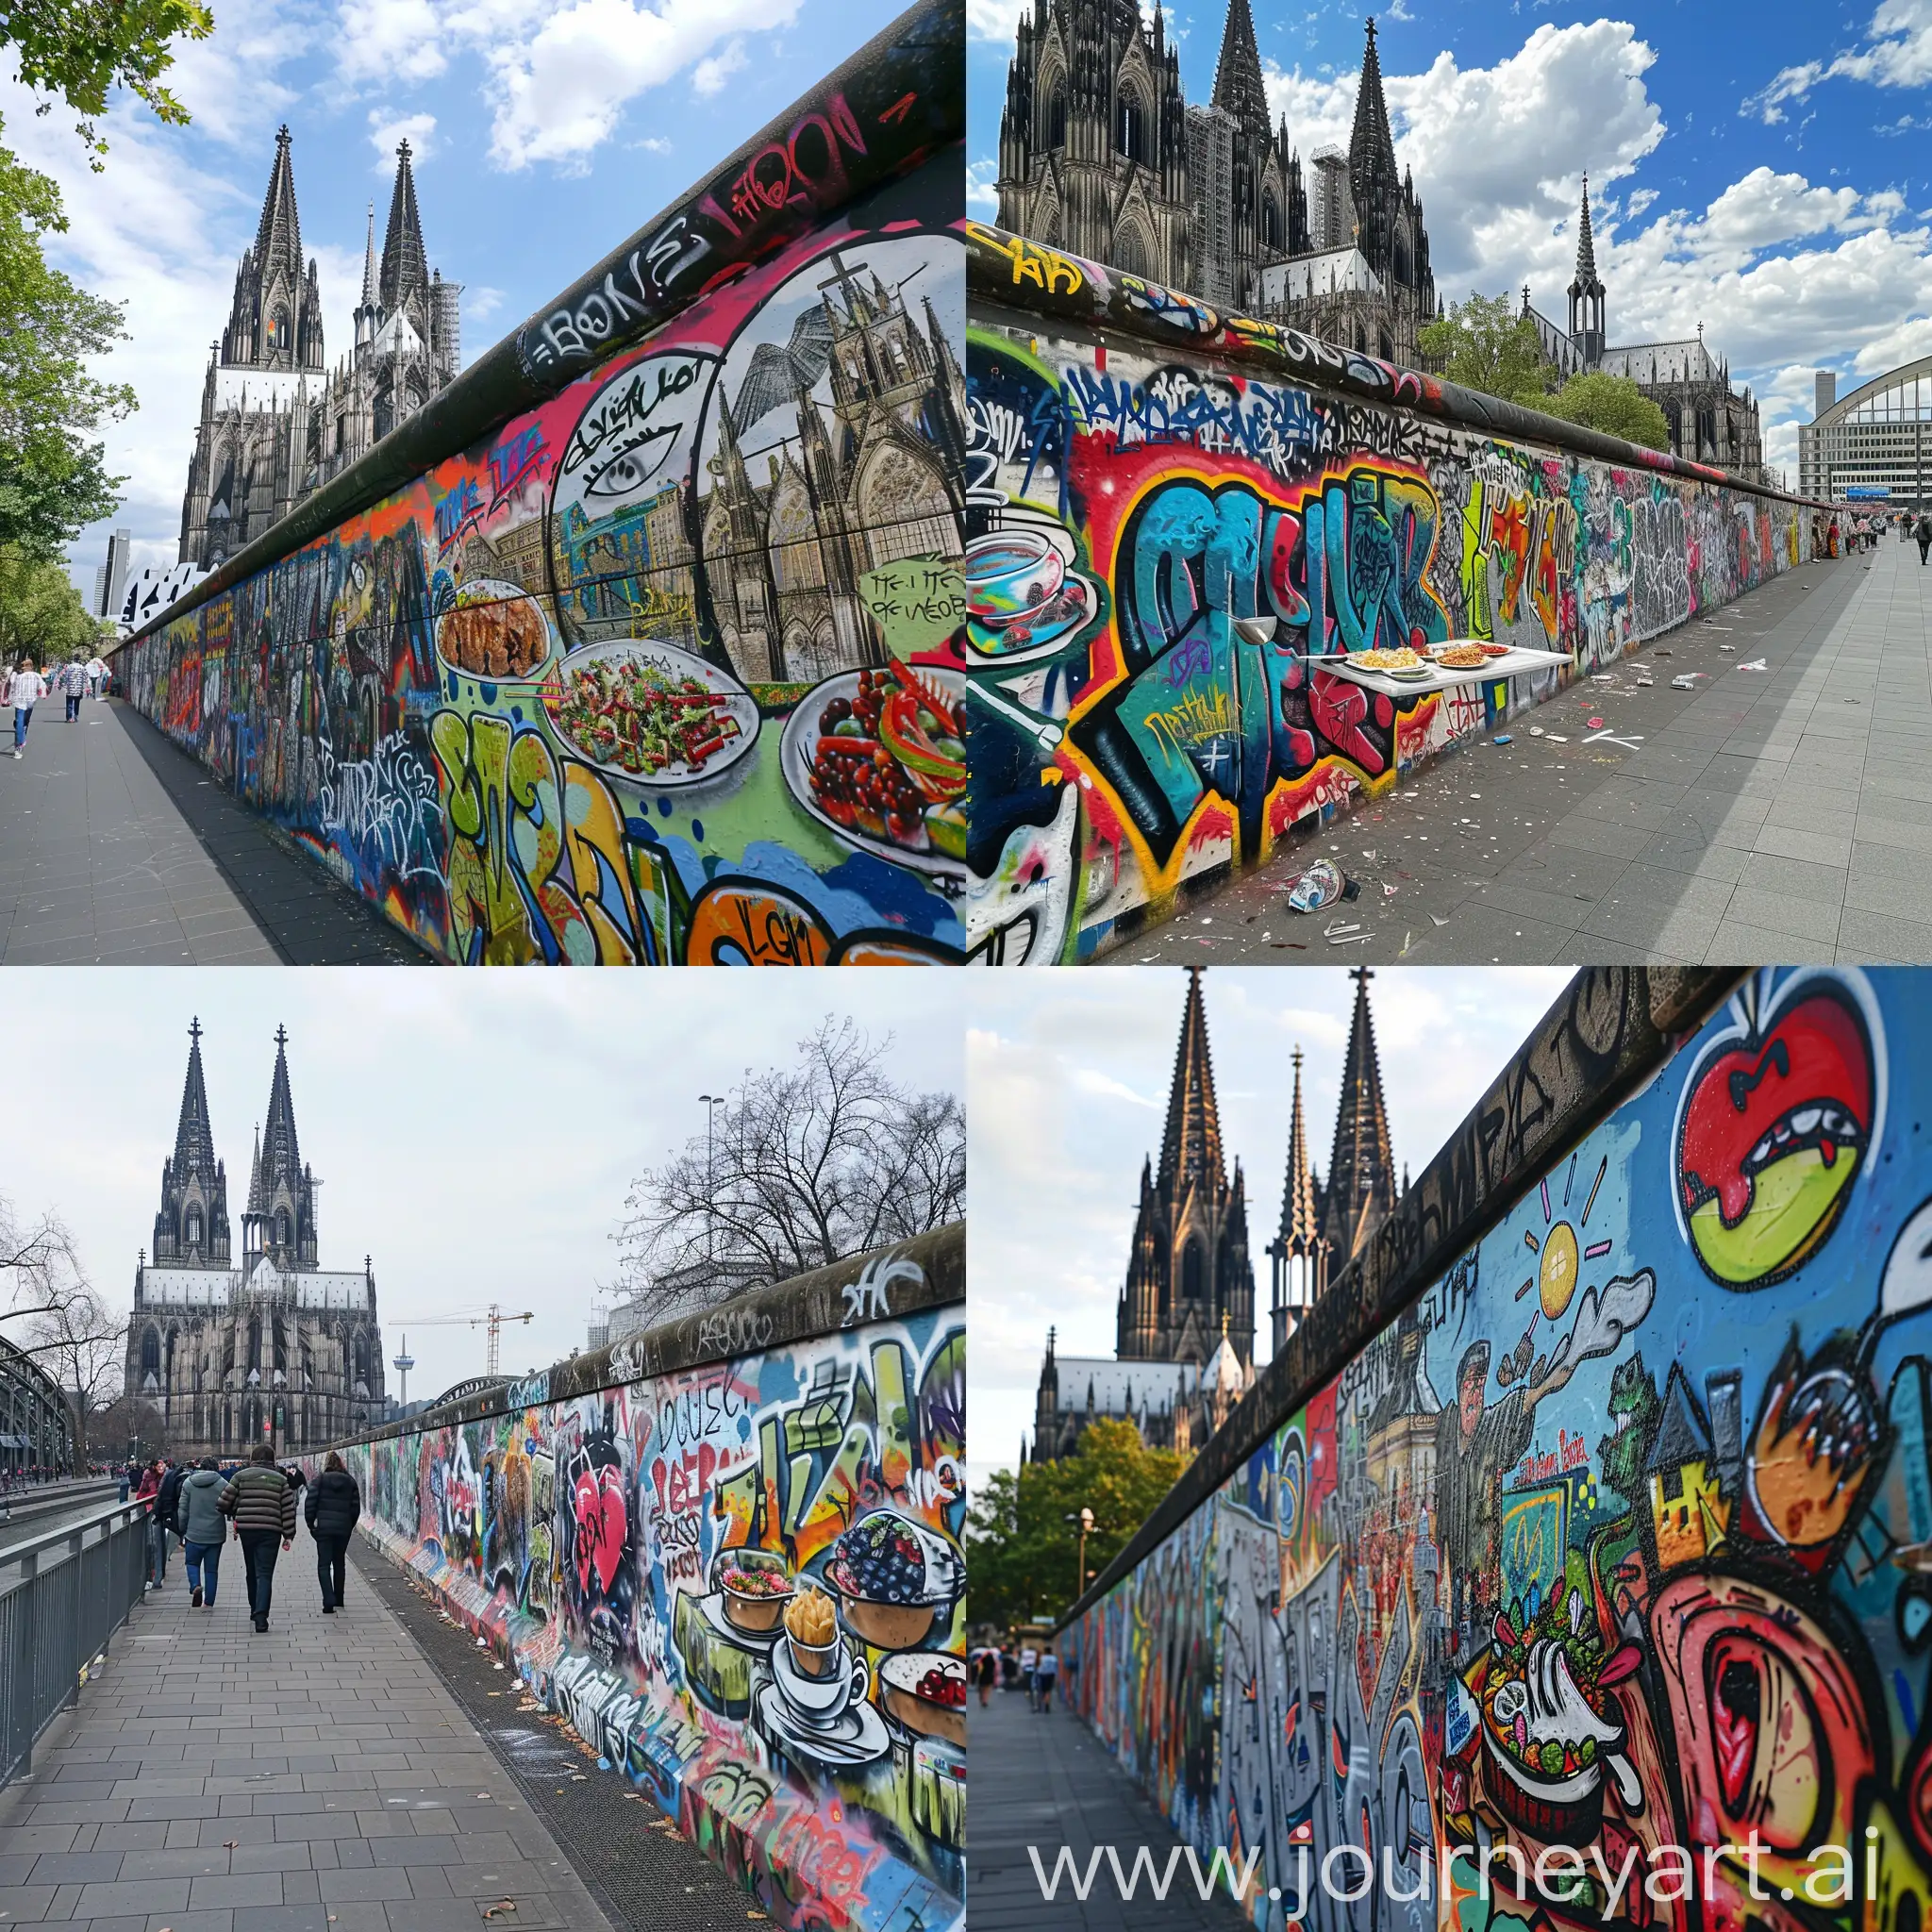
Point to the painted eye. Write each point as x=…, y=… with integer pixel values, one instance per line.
x=631, y=469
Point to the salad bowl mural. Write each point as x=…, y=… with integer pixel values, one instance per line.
x=663, y=670
x=1185, y=539
x=1609, y=1563
x=742, y=1584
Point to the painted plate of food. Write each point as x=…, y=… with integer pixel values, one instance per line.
x=651, y=713
x=879, y=756
x=495, y=631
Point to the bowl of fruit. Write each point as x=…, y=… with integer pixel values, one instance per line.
x=879, y=756
x=925, y=1690
x=756, y=1587
x=895, y=1579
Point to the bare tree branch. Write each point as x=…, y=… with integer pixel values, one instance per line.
x=49, y=1310
x=807, y=1164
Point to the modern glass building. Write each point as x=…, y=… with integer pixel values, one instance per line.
x=1874, y=438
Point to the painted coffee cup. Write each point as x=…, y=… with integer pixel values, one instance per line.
x=820, y=1680
x=1008, y=571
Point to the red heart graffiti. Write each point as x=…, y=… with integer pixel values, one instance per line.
x=597, y=1503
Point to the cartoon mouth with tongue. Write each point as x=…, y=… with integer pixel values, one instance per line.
x=1774, y=1132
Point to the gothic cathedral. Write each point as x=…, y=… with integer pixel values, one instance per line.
x=276, y=422
x=275, y=1350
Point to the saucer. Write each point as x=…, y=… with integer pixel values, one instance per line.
x=711, y=1608
x=855, y=1737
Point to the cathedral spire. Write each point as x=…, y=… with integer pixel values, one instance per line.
x=278, y=234
x=1190, y=1147
x=1298, y=1212
x=1587, y=293
x=1361, y=1169
x=195, y=1146
x=284, y=1153
x=1238, y=88
x=369, y=261
x=1586, y=248
x=405, y=275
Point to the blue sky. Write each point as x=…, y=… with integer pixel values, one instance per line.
x=544, y=134
x=1067, y=1078
x=1766, y=169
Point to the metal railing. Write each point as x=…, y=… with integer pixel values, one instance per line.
x=62, y=1596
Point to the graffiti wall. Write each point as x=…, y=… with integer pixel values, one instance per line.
x=742, y=1585
x=1610, y=1562
x=1165, y=543
x=663, y=671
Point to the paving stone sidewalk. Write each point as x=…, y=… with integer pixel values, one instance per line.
x=1777, y=814
x=318, y=1778
x=1049, y=1782
x=117, y=847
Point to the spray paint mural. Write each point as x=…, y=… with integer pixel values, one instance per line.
x=1163, y=544
x=1610, y=1562
x=742, y=1585
x=661, y=671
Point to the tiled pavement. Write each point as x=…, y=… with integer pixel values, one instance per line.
x=1049, y=1782
x=1783, y=814
x=315, y=1779
x=115, y=847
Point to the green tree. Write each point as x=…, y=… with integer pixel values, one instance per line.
x=1487, y=344
x=40, y=611
x=1613, y=403
x=52, y=478
x=81, y=49
x=1022, y=1548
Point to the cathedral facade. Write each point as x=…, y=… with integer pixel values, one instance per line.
x=1710, y=422
x=869, y=475
x=1185, y=1322
x=263, y=1346
x=1101, y=154
x=276, y=422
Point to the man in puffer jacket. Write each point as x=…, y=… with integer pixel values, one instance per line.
x=333, y=1505
x=199, y=1512
x=262, y=1505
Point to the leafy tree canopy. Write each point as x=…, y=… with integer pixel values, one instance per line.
x=1613, y=403
x=52, y=478
x=1486, y=344
x=1022, y=1548
x=40, y=611
x=81, y=49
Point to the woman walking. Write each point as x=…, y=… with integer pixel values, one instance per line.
x=334, y=1504
x=987, y=1671
x=262, y=1506
x=24, y=689
x=149, y=1491
x=199, y=1510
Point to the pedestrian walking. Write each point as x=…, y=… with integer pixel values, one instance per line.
x=1046, y=1674
x=333, y=1505
x=146, y=1491
x=1028, y=1658
x=203, y=1530
x=167, y=1501
x=1923, y=532
x=73, y=686
x=96, y=676
x=262, y=1508
x=24, y=689
x=988, y=1671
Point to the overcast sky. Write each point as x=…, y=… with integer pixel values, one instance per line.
x=476, y=1132
x=1066, y=1084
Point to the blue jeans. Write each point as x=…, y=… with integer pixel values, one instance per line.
x=23, y=717
x=204, y=1569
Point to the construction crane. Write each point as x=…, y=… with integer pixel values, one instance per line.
x=492, y=1319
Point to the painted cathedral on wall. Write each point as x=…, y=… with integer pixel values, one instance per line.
x=266, y=1346
x=1184, y=1352
x=1710, y=422
x=276, y=422
x=1101, y=155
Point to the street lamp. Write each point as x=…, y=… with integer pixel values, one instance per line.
x=710, y=1103
x=1085, y=1520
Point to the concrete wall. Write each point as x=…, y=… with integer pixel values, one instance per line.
x=1657, y=1441
x=391, y=688
x=584, y=1531
x=1187, y=469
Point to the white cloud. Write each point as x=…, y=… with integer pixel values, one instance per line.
x=481, y=303
x=1897, y=53
x=387, y=130
x=710, y=75
x=982, y=194
x=653, y=145
x=388, y=41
